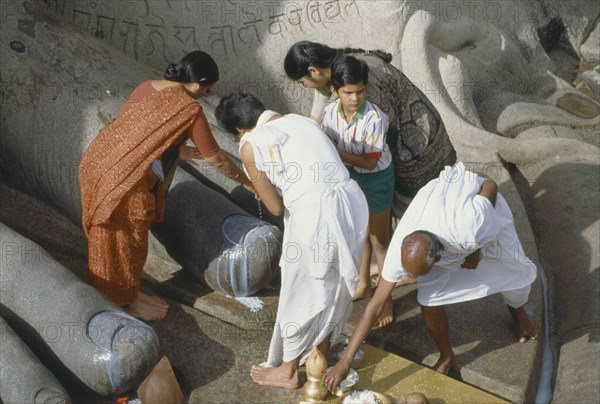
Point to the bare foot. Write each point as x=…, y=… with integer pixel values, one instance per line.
x=147, y=307
x=374, y=274
x=525, y=327
x=363, y=291
x=387, y=314
x=406, y=280
x=282, y=376
x=153, y=300
x=444, y=364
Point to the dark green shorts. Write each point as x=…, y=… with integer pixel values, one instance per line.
x=378, y=187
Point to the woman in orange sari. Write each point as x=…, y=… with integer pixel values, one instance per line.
x=126, y=169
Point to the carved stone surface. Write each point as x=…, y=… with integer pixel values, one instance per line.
x=71, y=324
x=590, y=49
x=40, y=154
x=498, y=73
x=23, y=379
x=508, y=105
x=231, y=251
x=56, y=96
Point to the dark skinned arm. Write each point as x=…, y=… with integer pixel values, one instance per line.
x=358, y=160
x=339, y=372
x=226, y=166
x=489, y=190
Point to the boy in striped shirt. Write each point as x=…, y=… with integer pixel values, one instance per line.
x=358, y=129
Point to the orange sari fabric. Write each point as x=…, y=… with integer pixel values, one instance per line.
x=117, y=198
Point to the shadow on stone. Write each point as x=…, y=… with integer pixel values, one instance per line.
x=563, y=206
x=192, y=353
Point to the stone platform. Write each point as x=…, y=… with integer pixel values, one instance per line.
x=212, y=361
x=482, y=333
x=212, y=340
x=396, y=377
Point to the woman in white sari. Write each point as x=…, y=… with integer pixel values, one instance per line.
x=296, y=171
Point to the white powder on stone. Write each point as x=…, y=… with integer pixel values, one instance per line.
x=253, y=303
x=361, y=397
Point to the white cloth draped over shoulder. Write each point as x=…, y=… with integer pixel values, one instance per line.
x=450, y=207
x=325, y=221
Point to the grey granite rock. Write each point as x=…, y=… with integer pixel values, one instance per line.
x=592, y=79
x=50, y=120
x=590, y=49
x=553, y=173
x=561, y=195
x=575, y=380
x=498, y=92
x=251, y=38
x=223, y=246
x=23, y=379
x=72, y=325
x=58, y=92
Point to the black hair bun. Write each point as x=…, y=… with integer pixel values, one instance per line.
x=175, y=72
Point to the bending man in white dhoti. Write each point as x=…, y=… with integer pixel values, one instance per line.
x=297, y=171
x=458, y=240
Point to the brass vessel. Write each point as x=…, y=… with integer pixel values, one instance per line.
x=316, y=365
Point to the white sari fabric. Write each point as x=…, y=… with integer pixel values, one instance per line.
x=325, y=220
x=464, y=221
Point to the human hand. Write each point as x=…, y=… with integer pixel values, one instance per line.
x=188, y=154
x=472, y=260
x=334, y=377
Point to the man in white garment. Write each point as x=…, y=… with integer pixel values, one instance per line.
x=296, y=170
x=458, y=240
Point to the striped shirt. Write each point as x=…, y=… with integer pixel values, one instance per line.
x=364, y=135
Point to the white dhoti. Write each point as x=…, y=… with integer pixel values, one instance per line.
x=464, y=221
x=320, y=262
x=326, y=219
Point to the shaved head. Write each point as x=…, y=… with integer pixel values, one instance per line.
x=420, y=250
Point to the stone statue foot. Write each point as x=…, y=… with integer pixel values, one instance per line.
x=126, y=349
x=23, y=378
x=147, y=307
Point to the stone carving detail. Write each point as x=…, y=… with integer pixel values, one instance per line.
x=71, y=324
x=121, y=23
x=219, y=243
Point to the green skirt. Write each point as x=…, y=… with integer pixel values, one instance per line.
x=378, y=187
